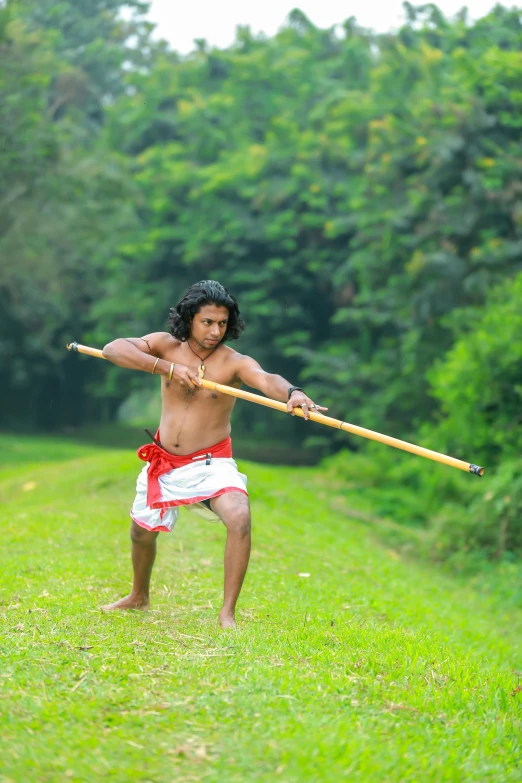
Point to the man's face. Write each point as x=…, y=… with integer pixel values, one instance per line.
x=209, y=326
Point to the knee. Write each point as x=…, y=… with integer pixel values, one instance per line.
x=141, y=536
x=239, y=521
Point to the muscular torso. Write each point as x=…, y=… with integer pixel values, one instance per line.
x=193, y=419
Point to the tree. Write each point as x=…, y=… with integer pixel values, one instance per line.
x=351, y=189
x=61, y=221
x=479, y=381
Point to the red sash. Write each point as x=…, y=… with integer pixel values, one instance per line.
x=161, y=462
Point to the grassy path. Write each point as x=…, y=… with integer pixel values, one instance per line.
x=369, y=669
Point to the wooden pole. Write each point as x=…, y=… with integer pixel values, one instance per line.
x=321, y=419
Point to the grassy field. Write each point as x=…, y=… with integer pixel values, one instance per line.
x=349, y=663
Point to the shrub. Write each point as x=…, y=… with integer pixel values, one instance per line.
x=479, y=382
x=490, y=524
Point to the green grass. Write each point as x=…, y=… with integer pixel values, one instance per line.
x=370, y=669
x=23, y=451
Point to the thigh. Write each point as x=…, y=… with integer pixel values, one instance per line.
x=231, y=505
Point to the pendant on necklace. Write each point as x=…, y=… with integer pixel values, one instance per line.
x=201, y=371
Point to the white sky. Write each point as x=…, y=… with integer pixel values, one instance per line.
x=216, y=20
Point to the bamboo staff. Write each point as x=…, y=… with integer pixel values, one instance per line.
x=320, y=419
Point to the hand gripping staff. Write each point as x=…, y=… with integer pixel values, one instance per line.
x=321, y=419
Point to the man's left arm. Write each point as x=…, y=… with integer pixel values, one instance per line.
x=275, y=386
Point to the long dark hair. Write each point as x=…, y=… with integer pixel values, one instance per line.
x=205, y=292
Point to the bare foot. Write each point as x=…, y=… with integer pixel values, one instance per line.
x=129, y=602
x=226, y=620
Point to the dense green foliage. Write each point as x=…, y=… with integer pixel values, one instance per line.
x=479, y=381
x=359, y=193
x=348, y=663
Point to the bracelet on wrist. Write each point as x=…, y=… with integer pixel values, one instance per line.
x=292, y=389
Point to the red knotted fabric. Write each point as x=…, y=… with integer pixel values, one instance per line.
x=161, y=462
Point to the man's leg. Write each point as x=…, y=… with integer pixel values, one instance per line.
x=234, y=510
x=143, y=556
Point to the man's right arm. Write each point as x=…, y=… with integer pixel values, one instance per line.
x=146, y=354
x=137, y=353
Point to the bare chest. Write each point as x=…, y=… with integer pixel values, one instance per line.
x=216, y=368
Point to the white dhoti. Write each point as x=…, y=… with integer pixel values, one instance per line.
x=187, y=486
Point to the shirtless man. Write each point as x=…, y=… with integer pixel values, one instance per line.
x=191, y=462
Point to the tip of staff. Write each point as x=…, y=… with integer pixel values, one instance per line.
x=476, y=469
